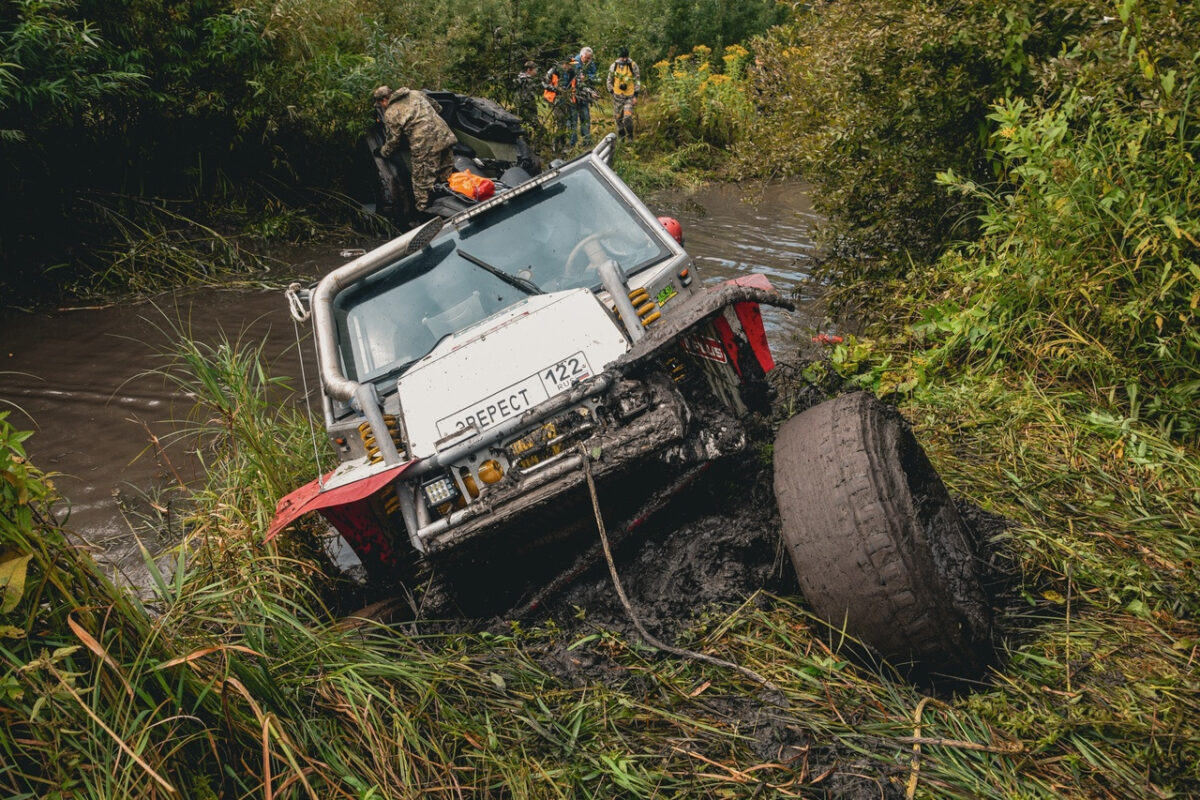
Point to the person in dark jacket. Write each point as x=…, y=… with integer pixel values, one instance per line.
x=584, y=65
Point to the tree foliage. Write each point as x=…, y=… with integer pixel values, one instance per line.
x=869, y=100
x=115, y=101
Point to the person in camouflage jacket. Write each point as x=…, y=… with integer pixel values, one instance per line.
x=528, y=86
x=409, y=114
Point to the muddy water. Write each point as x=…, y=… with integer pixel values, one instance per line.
x=115, y=431
x=733, y=229
x=82, y=377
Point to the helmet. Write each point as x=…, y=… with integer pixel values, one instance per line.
x=673, y=227
x=381, y=93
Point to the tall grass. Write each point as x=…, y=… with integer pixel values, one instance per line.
x=236, y=681
x=236, y=677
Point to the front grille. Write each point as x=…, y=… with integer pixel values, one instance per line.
x=550, y=438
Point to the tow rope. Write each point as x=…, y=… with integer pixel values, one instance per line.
x=637, y=623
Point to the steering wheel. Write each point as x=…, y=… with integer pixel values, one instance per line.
x=596, y=251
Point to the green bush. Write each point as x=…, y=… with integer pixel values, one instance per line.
x=869, y=100
x=694, y=103
x=1088, y=266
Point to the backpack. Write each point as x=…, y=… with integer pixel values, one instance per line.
x=623, y=83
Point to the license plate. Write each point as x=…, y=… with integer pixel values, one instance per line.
x=519, y=397
x=566, y=373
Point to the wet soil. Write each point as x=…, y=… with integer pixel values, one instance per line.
x=711, y=550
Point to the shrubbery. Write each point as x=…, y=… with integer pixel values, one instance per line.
x=1057, y=146
x=696, y=103
x=1088, y=264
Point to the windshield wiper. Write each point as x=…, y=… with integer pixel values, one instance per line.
x=524, y=284
x=394, y=372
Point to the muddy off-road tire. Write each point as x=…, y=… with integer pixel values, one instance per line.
x=877, y=543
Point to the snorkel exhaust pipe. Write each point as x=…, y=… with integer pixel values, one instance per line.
x=337, y=385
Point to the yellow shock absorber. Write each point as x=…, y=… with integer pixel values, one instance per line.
x=374, y=456
x=647, y=309
x=546, y=433
x=675, y=368
x=391, y=501
x=368, y=440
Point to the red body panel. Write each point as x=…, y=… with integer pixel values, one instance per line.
x=345, y=505
x=750, y=316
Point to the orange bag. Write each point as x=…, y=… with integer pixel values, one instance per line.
x=471, y=185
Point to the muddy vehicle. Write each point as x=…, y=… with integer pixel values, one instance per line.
x=491, y=143
x=475, y=372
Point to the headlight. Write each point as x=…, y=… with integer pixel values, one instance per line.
x=439, y=490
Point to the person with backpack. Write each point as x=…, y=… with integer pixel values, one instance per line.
x=559, y=92
x=624, y=84
x=585, y=93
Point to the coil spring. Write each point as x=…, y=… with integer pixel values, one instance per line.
x=548, y=432
x=646, y=308
x=675, y=368
x=391, y=501
x=374, y=456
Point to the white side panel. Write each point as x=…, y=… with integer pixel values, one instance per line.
x=507, y=364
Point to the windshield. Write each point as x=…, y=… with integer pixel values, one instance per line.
x=548, y=239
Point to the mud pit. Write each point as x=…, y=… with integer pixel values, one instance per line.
x=690, y=556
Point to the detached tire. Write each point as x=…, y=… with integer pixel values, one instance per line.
x=877, y=543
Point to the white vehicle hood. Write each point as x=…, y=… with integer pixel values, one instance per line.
x=506, y=364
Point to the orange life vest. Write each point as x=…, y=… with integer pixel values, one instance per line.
x=551, y=94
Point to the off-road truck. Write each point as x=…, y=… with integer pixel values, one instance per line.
x=471, y=368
